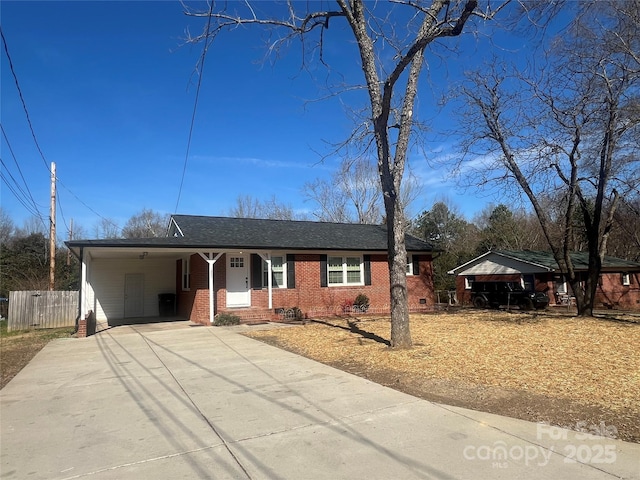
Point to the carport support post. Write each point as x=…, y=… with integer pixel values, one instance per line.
x=83, y=284
x=81, y=323
x=211, y=260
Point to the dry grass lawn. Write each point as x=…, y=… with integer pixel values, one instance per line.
x=17, y=348
x=536, y=366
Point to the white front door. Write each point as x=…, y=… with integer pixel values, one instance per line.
x=238, y=293
x=133, y=295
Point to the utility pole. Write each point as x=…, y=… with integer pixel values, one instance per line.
x=52, y=231
x=70, y=238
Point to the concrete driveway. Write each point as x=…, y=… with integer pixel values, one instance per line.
x=173, y=401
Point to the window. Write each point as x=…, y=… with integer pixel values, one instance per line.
x=185, y=274
x=236, y=262
x=344, y=270
x=409, y=265
x=626, y=279
x=353, y=270
x=278, y=270
x=468, y=281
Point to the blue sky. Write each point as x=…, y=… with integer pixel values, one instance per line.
x=110, y=90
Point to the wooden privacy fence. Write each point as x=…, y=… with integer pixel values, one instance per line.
x=45, y=309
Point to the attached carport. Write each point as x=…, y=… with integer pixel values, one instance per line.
x=124, y=279
x=128, y=281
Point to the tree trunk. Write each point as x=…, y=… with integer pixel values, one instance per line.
x=400, y=331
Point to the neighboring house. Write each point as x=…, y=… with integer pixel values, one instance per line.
x=254, y=268
x=618, y=286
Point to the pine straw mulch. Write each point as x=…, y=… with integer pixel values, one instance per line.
x=567, y=371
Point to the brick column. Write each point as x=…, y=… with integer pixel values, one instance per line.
x=83, y=323
x=82, y=328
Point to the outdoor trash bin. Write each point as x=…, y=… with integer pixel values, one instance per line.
x=167, y=304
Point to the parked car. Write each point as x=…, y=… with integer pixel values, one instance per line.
x=495, y=294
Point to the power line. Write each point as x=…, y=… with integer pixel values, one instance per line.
x=195, y=104
x=19, y=194
x=24, y=105
x=24, y=181
x=33, y=135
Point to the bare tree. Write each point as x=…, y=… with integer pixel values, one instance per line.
x=330, y=205
x=146, y=224
x=351, y=195
x=31, y=226
x=105, y=228
x=6, y=227
x=246, y=207
x=391, y=59
x=249, y=207
x=78, y=232
x=568, y=129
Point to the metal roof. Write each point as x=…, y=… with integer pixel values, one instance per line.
x=545, y=260
x=580, y=260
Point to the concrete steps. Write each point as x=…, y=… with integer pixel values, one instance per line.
x=253, y=316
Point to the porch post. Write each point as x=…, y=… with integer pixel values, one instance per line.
x=267, y=258
x=211, y=293
x=211, y=262
x=270, y=281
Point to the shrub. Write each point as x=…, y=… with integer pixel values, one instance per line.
x=361, y=303
x=223, y=319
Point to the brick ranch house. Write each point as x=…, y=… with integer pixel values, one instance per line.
x=618, y=287
x=254, y=268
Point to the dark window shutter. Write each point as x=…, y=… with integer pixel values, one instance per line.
x=367, y=269
x=256, y=271
x=291, y=271
x=323, y=271
x=416, y=264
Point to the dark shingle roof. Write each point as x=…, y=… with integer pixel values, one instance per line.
x=224, y=232
x=287, y=234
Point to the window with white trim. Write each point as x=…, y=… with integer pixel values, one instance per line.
x=409, y=265
x=345, y=270
x=626, y=279
x=278, y=272
x=186, y=282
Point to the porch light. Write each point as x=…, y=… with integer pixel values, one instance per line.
x=143, y=255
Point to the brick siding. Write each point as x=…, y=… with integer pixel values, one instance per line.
x=308, y=295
